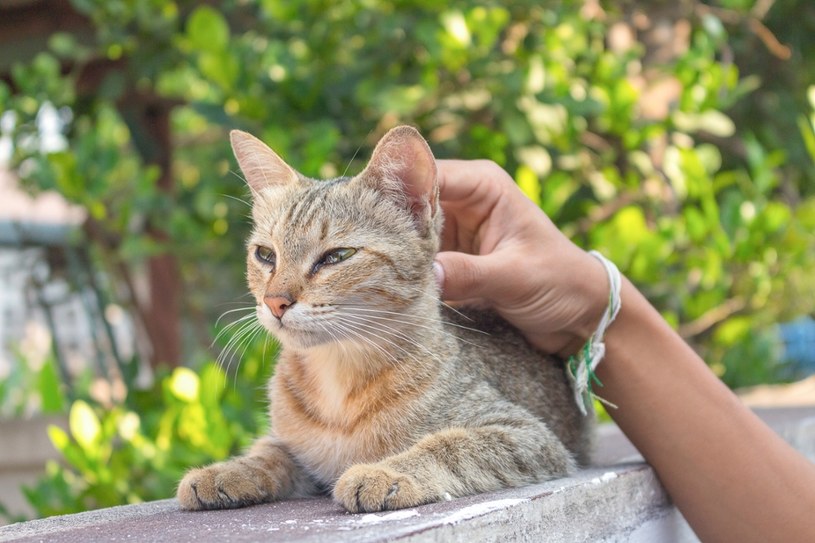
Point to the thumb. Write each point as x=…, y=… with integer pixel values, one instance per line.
x=460, y=276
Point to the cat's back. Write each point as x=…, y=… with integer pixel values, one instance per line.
x=493, y=350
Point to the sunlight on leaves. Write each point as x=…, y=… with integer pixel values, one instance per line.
x=529, y=183
x=184, y=384
x=84, y=424
x=58, y=437
x=456, y=26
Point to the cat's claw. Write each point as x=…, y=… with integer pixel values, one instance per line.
x=371, y=488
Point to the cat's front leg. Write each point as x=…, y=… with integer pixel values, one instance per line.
x=453, y=463
x=266, y=473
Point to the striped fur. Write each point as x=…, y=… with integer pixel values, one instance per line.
x=381, y=395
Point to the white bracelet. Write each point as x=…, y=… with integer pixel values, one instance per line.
x=581, y=366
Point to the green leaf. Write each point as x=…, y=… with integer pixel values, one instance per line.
x=50, y=388
x=208, y=30
x=808, y=135
x=62, y=43
x=630, y=226
x=219, y=67
x=529, y=183
x=85, y=425
x=59, y=438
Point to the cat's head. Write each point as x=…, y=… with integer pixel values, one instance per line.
x=344, y=260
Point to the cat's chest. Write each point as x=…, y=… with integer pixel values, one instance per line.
x=329, y=425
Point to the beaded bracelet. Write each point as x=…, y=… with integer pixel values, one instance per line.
x=581, y=366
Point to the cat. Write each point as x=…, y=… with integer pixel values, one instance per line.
x=382, y=395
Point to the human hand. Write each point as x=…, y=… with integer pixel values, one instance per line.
x=499, y=249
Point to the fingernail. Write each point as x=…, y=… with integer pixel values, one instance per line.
x=438, y=271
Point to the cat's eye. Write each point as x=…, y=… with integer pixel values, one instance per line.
x=334, y=256
x=265, y=255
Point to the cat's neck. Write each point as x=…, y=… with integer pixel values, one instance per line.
x=338, y=383
x=331, y=377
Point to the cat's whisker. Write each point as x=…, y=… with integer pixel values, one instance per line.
x=359, y=307
x=328, y=331
x=424, y=293
x=388, y=356
x=360, y=333
x=237, y=174
x=349, y=328
x=377, y=321
x=361, y=327
x=244, y=202
x=417, y=324
x=363, y=321
x=376, y=325
x=237, y=303
x=225, y=313
x=363, y=307
x=268, y=338
x=377, y=318
x=345, y=172
x=459, y=313
x=236, y=341
x=247, y=341
x=246, y=344
x=345, y=330
x=244, y=324
x=228, y=328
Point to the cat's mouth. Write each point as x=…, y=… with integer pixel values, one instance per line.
x=293, y=332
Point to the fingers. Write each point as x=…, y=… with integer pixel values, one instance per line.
x=469, y=180
x=470, y=193
x=454, y=184
x=461, y=276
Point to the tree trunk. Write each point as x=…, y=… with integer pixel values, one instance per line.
x=149, y=121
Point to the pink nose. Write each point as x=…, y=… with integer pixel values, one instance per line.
x=278, y=304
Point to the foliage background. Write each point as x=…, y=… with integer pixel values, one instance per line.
x=676, y=137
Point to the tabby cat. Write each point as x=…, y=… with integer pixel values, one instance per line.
x=382, y=395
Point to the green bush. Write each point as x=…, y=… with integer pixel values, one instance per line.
x=139, y=451
x=704, y=197
x=707, y=211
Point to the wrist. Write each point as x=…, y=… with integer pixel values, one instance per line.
x=594, y=290
x=582, y=365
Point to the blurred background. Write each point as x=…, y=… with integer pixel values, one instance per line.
x=677, y=137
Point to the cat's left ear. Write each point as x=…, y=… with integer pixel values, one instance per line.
x=260, y=165
x=402, y=165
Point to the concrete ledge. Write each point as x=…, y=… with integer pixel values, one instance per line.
x=620, y=502
x=593, y=505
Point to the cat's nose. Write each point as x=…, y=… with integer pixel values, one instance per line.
x=278, y=304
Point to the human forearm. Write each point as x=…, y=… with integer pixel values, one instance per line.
x=730, y=475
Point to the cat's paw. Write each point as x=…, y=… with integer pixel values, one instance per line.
x=369, y=488
x=220, y=486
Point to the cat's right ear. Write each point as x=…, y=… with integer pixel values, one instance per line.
x=260, y=165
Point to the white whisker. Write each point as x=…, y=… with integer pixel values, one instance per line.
x=246, y=344
x=225, y=313
x=345, y=329
x=379, y=327
x=361, y=328
x=228, y=328
x=244, y=202
x=359, y=307
x=247, y=330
